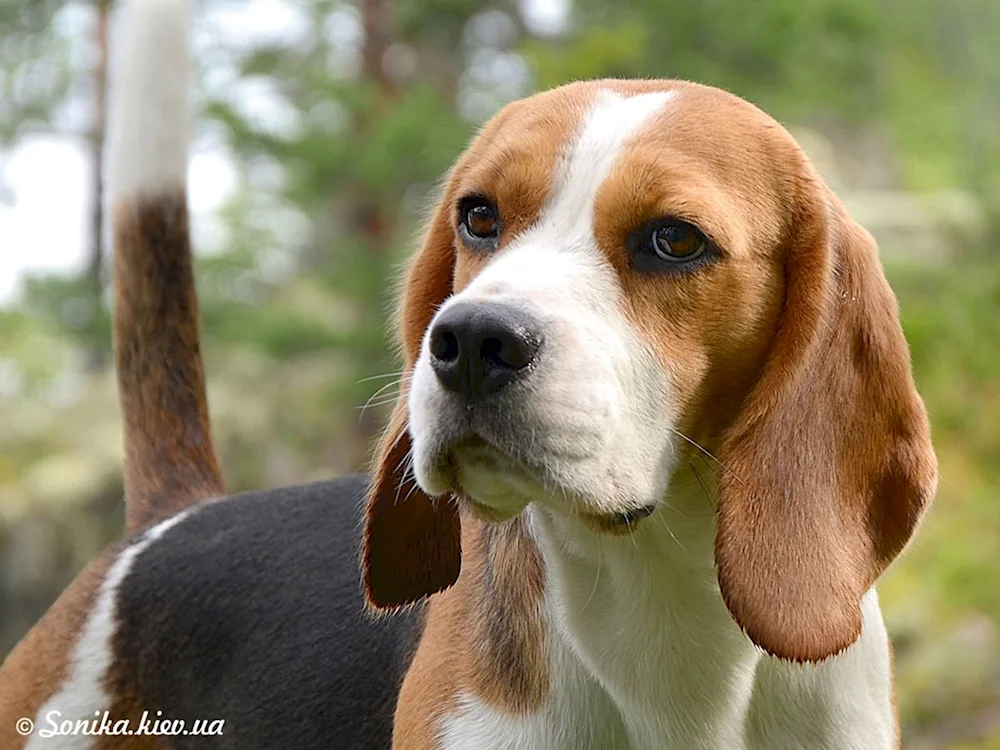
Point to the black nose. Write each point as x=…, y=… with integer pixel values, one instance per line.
x=477, y=348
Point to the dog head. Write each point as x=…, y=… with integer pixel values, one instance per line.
x=616, y=271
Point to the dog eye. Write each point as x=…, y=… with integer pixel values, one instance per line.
x=479, y=222
x=482, y=221
x=678, y=241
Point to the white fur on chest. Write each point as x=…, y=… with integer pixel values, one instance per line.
x=643, y=655
x=645, y=617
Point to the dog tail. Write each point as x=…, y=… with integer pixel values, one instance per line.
x=170, y=461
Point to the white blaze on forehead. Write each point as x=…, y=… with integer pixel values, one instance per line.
x=611, y=121
x=560, y=251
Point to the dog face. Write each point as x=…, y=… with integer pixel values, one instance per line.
x=626, y=285
x=616, y=272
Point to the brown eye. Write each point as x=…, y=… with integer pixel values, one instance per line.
x=479, y=222
x=678, y=241
x=482, y=221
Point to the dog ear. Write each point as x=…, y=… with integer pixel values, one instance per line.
x=829, y=465
x=412, y=542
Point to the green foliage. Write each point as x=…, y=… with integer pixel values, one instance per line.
x=796, y=56
x=35, y=72
x=32, y=355
x=942, y=600
x=68, y=303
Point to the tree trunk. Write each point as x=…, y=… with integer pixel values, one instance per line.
x=97, y=354
x=368, y=215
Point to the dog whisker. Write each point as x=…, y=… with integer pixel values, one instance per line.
x=671, y=531
x=597, y=577
x=399, y=485
x=402, y=375
x=706, y=452
x=371, y=399
x=704, y=487
x=404, y=429
x=377, y=404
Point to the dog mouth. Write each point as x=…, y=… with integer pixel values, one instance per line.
x=487, y=455
x=478, y=447
x=488, y=481
x=633, y=515
x=620, y=523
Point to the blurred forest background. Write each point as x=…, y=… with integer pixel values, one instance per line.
x=337, y=119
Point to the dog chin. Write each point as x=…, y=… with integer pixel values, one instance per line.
x=487, y=513
x=490, y=485
x=494, y=487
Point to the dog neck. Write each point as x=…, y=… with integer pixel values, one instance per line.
x=556, y=637
x=642, y=616
x=678, y=538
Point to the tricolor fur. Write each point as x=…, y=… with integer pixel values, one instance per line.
x=663, y=530
x=761, y=402
x=244, y=609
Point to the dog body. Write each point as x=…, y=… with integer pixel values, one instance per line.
x=245, y=609
x=656, y=441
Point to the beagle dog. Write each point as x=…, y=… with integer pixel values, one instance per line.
x=656, y=442
x=658, y=396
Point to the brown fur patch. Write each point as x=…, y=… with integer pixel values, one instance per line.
x=127, y=705
x=411, y=545
x=508, y=651
x=513, y=162
x=711, y=328
x=37, y=668
x=169, y=457
x=834, y=453
x=484, y=636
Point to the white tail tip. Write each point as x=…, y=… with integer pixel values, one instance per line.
x=149, y=121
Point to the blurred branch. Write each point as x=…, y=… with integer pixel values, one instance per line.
x=376, y=21
x=97, y=354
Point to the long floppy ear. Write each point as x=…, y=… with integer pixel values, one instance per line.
x=829, y=466
x=412, y=542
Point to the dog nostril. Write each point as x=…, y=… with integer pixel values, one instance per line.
x=444, y=346
x=492, y=351
x=508, y=352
